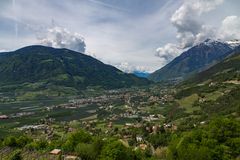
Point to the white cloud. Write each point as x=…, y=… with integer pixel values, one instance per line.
x=168, y=52
x=202, y=6
x=128, y=68
x=186, y=20
x=115, y=35
x=116, y=31
x=206, y=32
x=230, y=28
x=190, y=30
x=62, y=38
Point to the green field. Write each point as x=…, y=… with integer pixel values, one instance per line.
x=187, y=103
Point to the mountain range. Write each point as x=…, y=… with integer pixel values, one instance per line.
x=141, y=74
x=196, y=59
x=226, y=71
x=63, y=67
x=46, y=66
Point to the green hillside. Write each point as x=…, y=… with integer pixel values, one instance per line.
x=227, y=71
x=48, y=71
x=214, y=91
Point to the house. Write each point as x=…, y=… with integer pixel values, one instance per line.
x=203, y=122
x=70, y=157
x=128, y=124
x=143, y=146
x=4, y=117
x=212, y=84
x=35, y=127
x=174, y=127
x=139, y=138
x=56, y=152
x=110, y=125
x=155, y=129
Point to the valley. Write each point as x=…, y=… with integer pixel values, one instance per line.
x=136, y=116
x=119, y=80
x=76, y=106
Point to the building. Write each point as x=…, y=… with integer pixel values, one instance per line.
x=139, y=138
x=56, y=152
x=143, y=146
x=70, y=157
x=4, y=117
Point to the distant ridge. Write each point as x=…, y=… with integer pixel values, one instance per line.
x=141, y=74
x=194, y=60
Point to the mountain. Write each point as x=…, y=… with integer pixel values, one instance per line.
x=141, y=74
x=194, y=60
x=233, y=43
x=214, y=91
x=228, y=70
x=61, y=67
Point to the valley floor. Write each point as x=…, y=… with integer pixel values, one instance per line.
x=145, y=123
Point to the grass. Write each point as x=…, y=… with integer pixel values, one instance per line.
x=101, y=125
x=187, y=103
x=213, y=96
x=60, y=114
x=92, y=117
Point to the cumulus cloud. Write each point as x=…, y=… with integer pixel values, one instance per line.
x=202, y=6
x=128, y=68
x=230, y=28
x=206, y=32
x=168, y=52
x=62, y=38
x=190, y=30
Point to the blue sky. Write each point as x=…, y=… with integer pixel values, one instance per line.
x=130, y=34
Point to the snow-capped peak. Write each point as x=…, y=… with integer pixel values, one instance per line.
x=233, y=43
x=209, y=42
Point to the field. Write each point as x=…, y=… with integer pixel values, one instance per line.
x=32, y=112
x=187, y=103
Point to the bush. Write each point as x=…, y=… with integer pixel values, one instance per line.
x=219, y=140
x=22, y=141
x=115, y=150
x=86, y=151
x=76, y=138
x=10, y=141
x=37, y=145
x=161, y=139
x=16, y=155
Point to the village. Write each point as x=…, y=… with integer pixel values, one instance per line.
x=126, y=114
x=123, y=114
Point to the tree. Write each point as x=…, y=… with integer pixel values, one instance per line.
x=22, y=141
x=98, y=144
x=86, y=151
x=161, y=139
x=10, y=141
x=76, y=138
x=115, y=150
x=37, y=145
x=16, y=155
x=219, y=140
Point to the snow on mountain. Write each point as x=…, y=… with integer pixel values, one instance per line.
x=233, y=43
x=195, y=59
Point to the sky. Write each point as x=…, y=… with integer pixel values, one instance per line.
x=133, y=35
